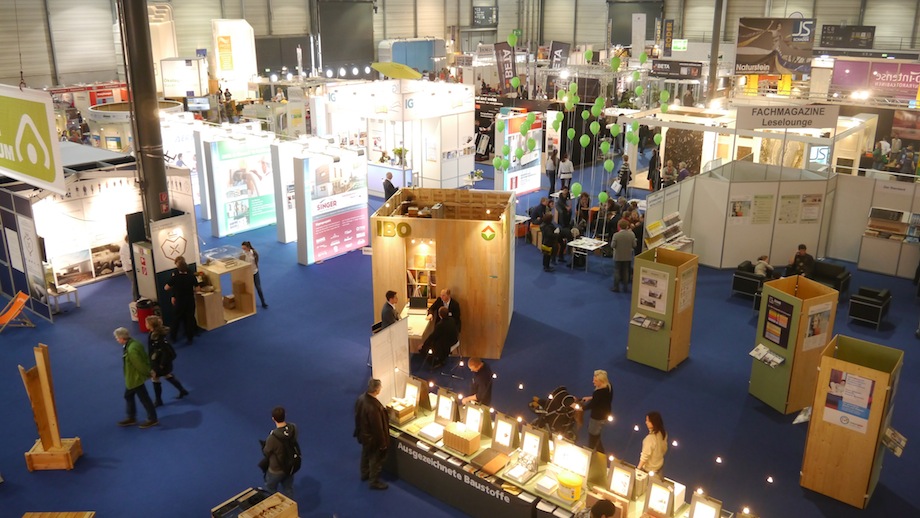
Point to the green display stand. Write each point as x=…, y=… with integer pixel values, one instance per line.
x=796, y=322
x=663, y=294
x=851, y=416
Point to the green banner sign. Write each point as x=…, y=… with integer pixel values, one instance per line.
x=29, y=149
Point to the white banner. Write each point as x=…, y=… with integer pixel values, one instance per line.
x=784, y=117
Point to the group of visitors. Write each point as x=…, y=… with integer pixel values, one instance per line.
x=894, y=157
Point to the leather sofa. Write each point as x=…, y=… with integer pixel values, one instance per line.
x=832, y=275
x=745, y=281
x=870, y=305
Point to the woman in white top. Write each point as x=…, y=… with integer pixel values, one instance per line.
x=565, y=171
x=551, y=162
x=655, y=444
x=253, y=257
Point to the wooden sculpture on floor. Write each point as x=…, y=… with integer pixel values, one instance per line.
x=49, y=451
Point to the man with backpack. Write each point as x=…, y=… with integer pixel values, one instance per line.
x=282, y=452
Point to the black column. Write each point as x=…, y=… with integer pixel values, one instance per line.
x=148, y=143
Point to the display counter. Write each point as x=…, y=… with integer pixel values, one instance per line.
x=419, y=328
x=214, y=309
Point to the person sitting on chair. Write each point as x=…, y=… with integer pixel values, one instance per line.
x=453, y=308
x=802, y=263
x=444, y=336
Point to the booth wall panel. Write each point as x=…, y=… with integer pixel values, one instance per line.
x=82, y=39
x=787, y=7
x=892, y=195
x=788, y=236
x=897, y=29
x=835, y=12
x=746, y=240
x=830, y=198
x=850, y=211
x=737, y=10
x=654, y=210
x=558, y=20
x=193, y=24
x=591, y=23
x=710, y=208
x=431, y=20
x=256, y=13
x=685, y=203
x=290, y=17
x=26, y=33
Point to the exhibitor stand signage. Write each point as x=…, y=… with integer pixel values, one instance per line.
x=676, y=69
x=848, y=36
x=29, y=149
x=774, y=45
x=782, y=117
x=504, y=60
x=559, y=54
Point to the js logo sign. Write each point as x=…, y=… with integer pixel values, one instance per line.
x=488, y=233
x=26, y=137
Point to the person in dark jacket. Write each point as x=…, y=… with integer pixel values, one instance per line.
x=388, y=313
x=599, y=404
x=274, y=451
x=182, y=285
x=453, y=308
x=372, y=429
x=444, y=336
x=550, y=235
x=161, y=359
x=388, y=188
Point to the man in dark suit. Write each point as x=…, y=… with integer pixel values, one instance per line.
x=453, y=308
x=372, y=431
x=388, y=314
x=388, y=188
x=444, y=336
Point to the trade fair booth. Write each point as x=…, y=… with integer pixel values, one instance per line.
x=110, y=124
x=415, y=237
x=422, y=132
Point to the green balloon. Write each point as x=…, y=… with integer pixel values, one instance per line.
x=636, y=75
x=531, y=144
x=615, y=130
x=605, y=147
x=614, y=63
x=584, y=140
x=639, y=90
x=643, y=58
x=560, y=94
x=569, y=105
x=608, y=166
x=516, y=81
x=518, y=153
x=556, y=125
x=596, y=111
x=602, y=197
x=576, y=99
x=600, y=102
x=524, y=128
x=500, y=126
x=512, y=39
x=585, y=114
x=664, y=96
x=573, y=87
x=571, y=133
x=506, y=149
x=589, y=54
x=634, y=125
x=497, y=162
x=657, y=139
x=629, y=136
x=664, y=107
x=531, y=117
x=560, y=116
x=595, y=127
x=576, y=189
x=635, y=138
x=506, y=163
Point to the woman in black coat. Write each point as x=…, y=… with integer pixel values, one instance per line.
x=161, y=355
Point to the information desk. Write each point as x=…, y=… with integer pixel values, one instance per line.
x=419, y=328
x=215, y=309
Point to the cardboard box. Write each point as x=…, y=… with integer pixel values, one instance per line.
x=229, y=302
x=275, y=506
x=457, y=437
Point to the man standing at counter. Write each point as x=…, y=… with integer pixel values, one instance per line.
x=482, y=383
x=373, y=432
x=388, y=314
x=453, y=308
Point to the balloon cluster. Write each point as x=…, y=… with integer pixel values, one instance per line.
x=663, y=97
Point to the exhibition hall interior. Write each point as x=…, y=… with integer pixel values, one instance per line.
x=684, y=239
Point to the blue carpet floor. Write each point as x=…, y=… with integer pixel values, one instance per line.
x=308, y=351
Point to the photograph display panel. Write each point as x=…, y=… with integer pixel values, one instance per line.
x=244, y=190
x=525, y=173
x=337, y=205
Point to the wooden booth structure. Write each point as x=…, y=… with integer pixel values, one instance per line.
x=426, y=240
x=796, y=321
x=850, y=423
x=661, y=314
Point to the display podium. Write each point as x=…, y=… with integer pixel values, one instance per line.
x=850, y=418
x=796, y=321
x=215, y=309
x=661, y=313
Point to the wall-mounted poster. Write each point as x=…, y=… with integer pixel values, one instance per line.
x=811, y=208
x=524, y=174
x=774, y=45
x=762, y=210
x=244, y=190
x=819, y=318
x=336, y=215
x=849, y=399
x=789, y=207
x=740, y=209
x=776, y=323
x=653, y=290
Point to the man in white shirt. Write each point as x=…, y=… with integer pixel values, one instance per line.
x=886, y=147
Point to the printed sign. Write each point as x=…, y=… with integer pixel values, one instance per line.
x=809, y=116
x=882, y=77
x=668, y=37
x=774, y=45
x=504, y=60
x=848, y=36
x=29, y=149
x=676, y=69
x=559, y=54
x=848, y=400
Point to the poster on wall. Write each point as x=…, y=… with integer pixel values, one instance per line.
x=179, y=149
x=811, y=208
x=244, y=190
x=789, y=207
x=819, y=319
x=762, y=209
x=33, y=260
x=849, y=400
x=653, y=290
x=171, y=238
x=774, y=45
x=337, y=206
x=741, y=209
x=687, y=289
x=777, y=321
x=525, y=172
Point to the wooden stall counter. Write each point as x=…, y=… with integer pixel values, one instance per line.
x=218, y=308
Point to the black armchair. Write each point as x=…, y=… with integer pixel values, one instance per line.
x=745, y=281
x=870, y=305
x=832, y=275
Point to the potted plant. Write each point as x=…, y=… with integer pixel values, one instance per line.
x=384, y=158
x=400, y=154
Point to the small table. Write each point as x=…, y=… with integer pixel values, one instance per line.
x=520, y=220
x=584, y=246
x=63, y=290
